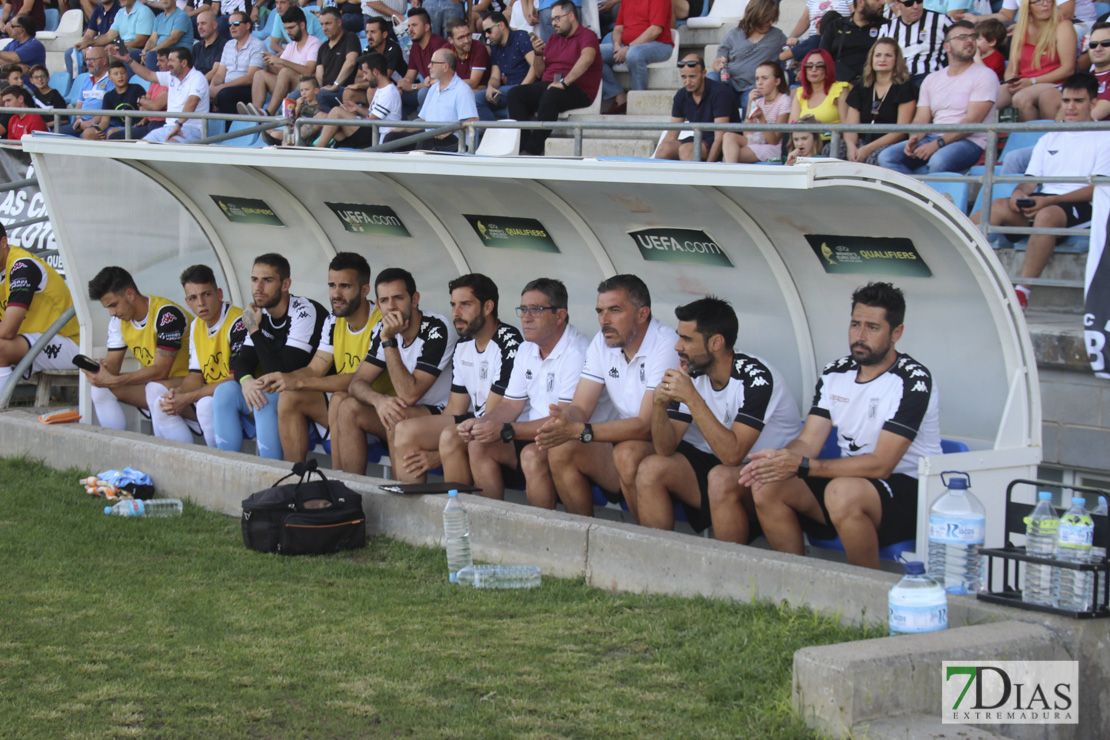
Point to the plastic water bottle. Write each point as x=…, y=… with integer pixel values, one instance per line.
x=1040, y=539
x=500, y=576
x=159, y=507
x=957, y=528
x=401, y=29
x=1072, y=589
x=1098, y=554
x=917, y=603
x=456, y=529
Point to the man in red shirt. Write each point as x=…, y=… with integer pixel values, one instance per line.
x=471, y=60
x=569, y=68
x=424, y=44
x=15, y=96
x=641, y=37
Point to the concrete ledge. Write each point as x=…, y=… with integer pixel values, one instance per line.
x=919, y=727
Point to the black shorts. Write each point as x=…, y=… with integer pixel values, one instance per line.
x=1077, y=213
x=362, y=138
x=898, y=496
x=514, y=477
x=702, y=462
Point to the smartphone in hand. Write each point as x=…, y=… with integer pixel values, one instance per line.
x=1025, y=202
x=86, y=363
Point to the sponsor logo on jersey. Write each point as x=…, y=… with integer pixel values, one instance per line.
x=142, y=354
x=483, y=371
x=920, y=386
x=839, y=399
x=527, y=374
x=614, y=373
x=167, y=319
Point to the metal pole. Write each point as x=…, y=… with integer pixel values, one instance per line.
x=21, y=367
x=28, y=222
x=988, y=182
x=17, y=184
x=697, y=143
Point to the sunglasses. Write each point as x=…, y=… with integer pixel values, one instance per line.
x=909, y=3
x=235, y=23
x=1100, y=44
x=875, y=105
x=487, y=31
x=689, y=63
x=815, y=65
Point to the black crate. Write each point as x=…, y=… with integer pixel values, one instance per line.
x=1010, y=557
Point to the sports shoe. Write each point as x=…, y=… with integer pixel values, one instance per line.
x=242, y=108
x=1022, y=296
x=254, y=111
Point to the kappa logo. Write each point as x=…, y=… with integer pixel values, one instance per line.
x=920, y=386
x=302, y=315
x=511, y=354
x=527, y=374
x=919, y=373
x=167, y=319
x=434, y=333
x=52, y=350
x=759, y=381
x=614, y=373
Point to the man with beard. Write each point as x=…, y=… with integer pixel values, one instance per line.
x=312, y=393
x=625, y=361
x=708, y=414
x=884, y=405
x=849, y=39
x=282, y=73
x=424, y=44
x=414, y=347
x=483, y=362
x=283, y=332
x=384, y=106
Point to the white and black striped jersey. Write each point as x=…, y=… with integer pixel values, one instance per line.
x=429, y=352
x=478, y=373
x=922, y=42
x=755, y=395
x=903, y=400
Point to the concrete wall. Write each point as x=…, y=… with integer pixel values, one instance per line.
x=1075, y=419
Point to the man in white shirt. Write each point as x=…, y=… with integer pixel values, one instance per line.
x=187, y=93
x=239, y=63
x=449, y=99
x=384, y=106
x=282, y=73
x=626, y=360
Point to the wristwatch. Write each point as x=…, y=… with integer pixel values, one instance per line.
x=587, y=434
x=507, y=433
x=392, y=342
x=941, y=142
x=803, y=468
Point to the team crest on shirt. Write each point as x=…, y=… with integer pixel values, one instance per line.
x=923, y=36
x=643, y=373
x=550, y=382
x=528, y=374
x=483, y=371
x=872, y=408
x=874, y=33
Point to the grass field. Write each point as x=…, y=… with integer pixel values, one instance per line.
x=161, y=628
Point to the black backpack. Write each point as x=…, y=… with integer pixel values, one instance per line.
x=309, y=517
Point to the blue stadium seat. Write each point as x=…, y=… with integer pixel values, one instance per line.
x=1021, y=139
x=1101, y=9
x=61, y=81
x=52, y=19
x=958, y=191
x=247, y=140
x=1000, y=190
x=75, y=89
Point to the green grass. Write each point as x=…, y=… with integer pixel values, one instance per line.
x=158, y=628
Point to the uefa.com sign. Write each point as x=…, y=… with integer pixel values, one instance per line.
x=1014, y=692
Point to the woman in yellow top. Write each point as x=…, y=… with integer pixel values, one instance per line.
x=820, y=95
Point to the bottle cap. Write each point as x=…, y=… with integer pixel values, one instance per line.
x=453, y=493
x=107, y=509
x=915, y=568
x=1078, y=501
x=956, y=480
x=1044, y=496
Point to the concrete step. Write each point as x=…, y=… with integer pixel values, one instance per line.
x=659, y=78
x=1065, y=270
x=616, y=134
x=651, y=103
x=1058, y=338
x=601, y=147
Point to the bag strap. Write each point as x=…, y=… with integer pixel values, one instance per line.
x=305, y=471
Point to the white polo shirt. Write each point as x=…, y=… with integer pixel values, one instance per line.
x=627, y=382
x=179, y=91
x=551, y=380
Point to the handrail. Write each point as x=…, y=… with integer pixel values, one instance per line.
x=29, y=358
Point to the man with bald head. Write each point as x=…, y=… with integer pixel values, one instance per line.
x=449, y=99
x=209, y=46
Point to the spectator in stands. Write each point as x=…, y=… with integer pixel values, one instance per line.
x=172, y=27
x=379, y=41
x=820, y=95
x=749, y=45
x=215, y=335
x=539, y=13
x=992, y=34
x=625, y=361
x=337, y=60
x=124, y=95
x=24, y=49
x=1042, y=54
x=1080, y=13
x=46, y=96
x=886, y=95
x=954, y=9
x=91, y=92
x=511, y=56
x=707, y=416
x=187, y=92
x=32, y=297
x=209, y=48
x=803, y=143
x=152, y=329
x=848, y=39
x=885, y=408
x=471, y=60
x=153, y=101
x=418, y=78
x=1099, y=52
x=920, y=35
x=279, y=37
x=307, y=106
x=385, y=105
x=17, y=96
x=701, y=100
x=440, y=12
x=240, y=62
x=415, y=347
x=283, y=73
x=641, y=36
x=133, y=24
x=768, y=103
x=481, y=8
x=450, y=99
x=99, y=23
x=806, y=35
x=573, y=56
x=965, y=92
x=1055, y=205
x=12, y=9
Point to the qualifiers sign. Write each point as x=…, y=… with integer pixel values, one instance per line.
x=369, y=220
x=689, y=246
x=868, y=255
x=504, y=232
x=247, y=210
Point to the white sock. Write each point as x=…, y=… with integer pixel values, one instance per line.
x=207, y=420
x=109, y=411
x=165, y=425
x=1024, y=289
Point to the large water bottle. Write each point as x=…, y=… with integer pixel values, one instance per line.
x=917, y=603
x=1098, y=554
x=1072, y=589
x=159, y=507
x=957, y=528
x=1040, y=539
x=456, y=529
x=500, y=576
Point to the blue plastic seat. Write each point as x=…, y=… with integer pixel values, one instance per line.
x=958, y=191
x=61, y=81
x=73, y=95
x=247, y=140
x=52, y=19
x=1101, y=9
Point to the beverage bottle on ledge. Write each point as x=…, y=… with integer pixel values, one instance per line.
x=456, y=530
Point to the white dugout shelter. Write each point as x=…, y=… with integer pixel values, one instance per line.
x=786, y=245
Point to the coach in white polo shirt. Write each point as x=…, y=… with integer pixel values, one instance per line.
x=545, y=374
x=626, y=360
x=187, y=92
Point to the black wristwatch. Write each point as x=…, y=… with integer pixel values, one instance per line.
x=390, y=343
x=803, y=468
x=507, y=433
x=587, y=434
x=941, y=142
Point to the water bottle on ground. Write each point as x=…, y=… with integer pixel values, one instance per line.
x=917, y=603
x=456, y=530
x=159, y=507
x=1072, y=589
x=957, y=528
x=1098, y=554
x=1040, y=539
x=500, y=576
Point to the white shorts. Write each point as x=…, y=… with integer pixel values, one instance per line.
x=57, y=355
